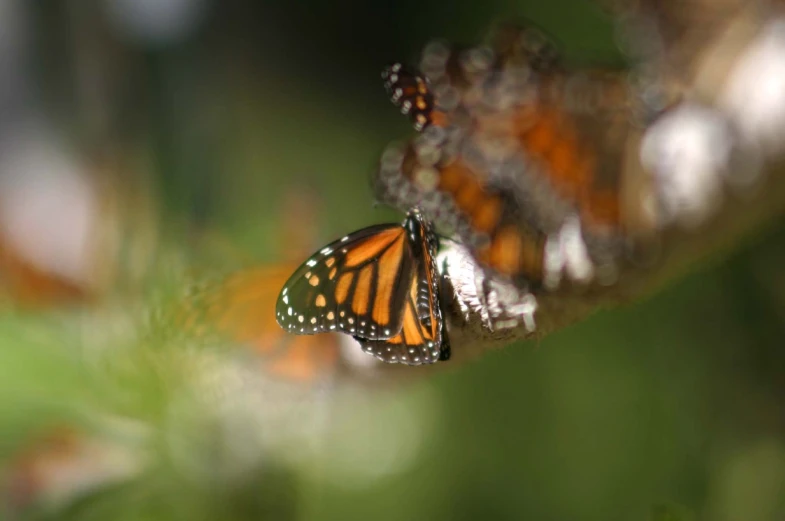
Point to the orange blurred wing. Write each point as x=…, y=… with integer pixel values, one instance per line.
x=242, y=308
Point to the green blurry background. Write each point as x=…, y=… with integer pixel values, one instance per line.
x=672, y=408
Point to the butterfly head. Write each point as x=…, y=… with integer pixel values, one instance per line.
x=421, y=234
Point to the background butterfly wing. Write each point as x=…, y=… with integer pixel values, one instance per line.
x=409, y=91
x=355, y=285
x=239, y=308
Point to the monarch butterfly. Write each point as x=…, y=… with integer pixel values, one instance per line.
x=520, y=159
x=378, y=284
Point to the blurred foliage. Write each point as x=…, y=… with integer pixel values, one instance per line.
x=673, y=401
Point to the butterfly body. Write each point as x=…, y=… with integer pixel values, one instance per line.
x=380, y=285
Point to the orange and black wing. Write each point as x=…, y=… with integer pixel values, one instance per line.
x=410, y=92
x=421, y=339
x=516, y=149
x=356, y=285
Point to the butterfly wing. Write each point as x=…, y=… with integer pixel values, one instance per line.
x=355, y=285
x=239, y=308
x=520, y=149
x=421, y=339
x=409, y=91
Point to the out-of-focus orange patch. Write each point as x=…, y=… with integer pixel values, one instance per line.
x=487, y=216
x=440, y=118
x=244, y=305
x=471, y=198
x=307, y=357
x=28, y=286
x=28, y=472
x=242, y=308
x=506, y=251
x=454, y=177
x=554, y=141
x=601, y=208
x=103, y=210
x=538, y=138
x=62, y=463
x=570, y=166
x=513, y=253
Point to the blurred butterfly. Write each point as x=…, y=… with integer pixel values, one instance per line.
x=378, y=284
x=241, y=307
x=519, y=158
x=60, y=465
x=67, y=225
